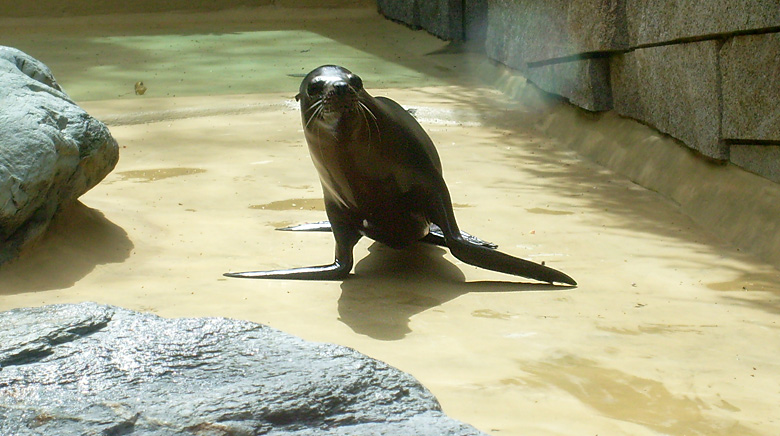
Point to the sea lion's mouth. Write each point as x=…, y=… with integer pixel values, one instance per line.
x=339, y=103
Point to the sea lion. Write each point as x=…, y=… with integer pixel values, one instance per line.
x=381, y=178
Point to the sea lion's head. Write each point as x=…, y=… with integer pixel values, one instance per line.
x=329, y=96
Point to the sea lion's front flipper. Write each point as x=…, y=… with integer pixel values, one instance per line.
x=493, y=260
x=346, y=238
x=334, y=271
x=319, y=226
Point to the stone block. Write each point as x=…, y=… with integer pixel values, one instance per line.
x=763, y=160
x=584, y=83
x=475, y=20
x=750, y=67
x=521, y=31
x=675, y=89
x=442, y=18
x=405, y=11
x=659, y=21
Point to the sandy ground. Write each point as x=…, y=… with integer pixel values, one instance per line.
x=670, y=331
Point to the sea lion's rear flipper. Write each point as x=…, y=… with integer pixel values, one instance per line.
x=487, y=258
x=436, y=237
x=346, y=238
x=319, y=226
x=497, y=261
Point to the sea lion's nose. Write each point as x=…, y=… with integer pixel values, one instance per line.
x=340, y=88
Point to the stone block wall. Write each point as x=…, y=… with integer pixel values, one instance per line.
x=706, y=72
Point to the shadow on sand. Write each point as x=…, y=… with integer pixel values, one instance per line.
x=390, y=286
x=78, y=239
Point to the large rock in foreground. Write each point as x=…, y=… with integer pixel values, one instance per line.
x=51, y=150
x=93, y=369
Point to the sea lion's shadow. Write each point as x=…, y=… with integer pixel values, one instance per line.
x=390, y=286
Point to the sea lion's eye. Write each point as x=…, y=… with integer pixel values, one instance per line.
x=355, y=82
x=315, y=88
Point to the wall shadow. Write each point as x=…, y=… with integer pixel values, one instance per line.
x=390, y=286
x=78, y=239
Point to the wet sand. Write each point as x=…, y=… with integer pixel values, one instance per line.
x=671, y=330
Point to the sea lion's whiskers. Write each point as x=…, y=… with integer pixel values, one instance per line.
x=316, y=105
x=315, y=114
x=364, y=109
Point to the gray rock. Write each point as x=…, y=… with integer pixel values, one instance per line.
x=94, y=369
x=51, y=151
x=750, y=68
x=675, y=89
x=661, y=21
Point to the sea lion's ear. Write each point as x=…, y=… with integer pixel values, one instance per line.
x=297, y=97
